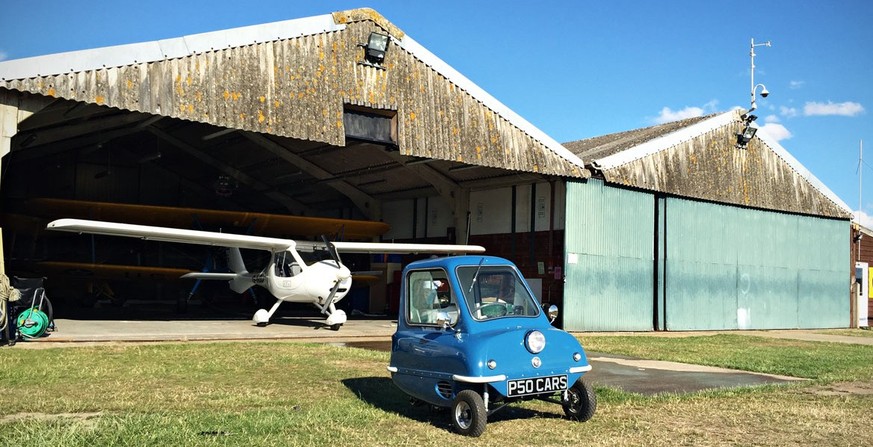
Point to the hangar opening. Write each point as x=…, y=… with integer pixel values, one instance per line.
x=289, y=123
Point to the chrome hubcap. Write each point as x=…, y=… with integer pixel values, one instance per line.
x=463, y=415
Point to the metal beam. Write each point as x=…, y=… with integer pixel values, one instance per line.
x=47, y=136
x=87, y=139
x=367, y=204
x=268, y=190
x=455, y=195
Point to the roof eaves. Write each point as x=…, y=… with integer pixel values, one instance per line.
x=665, y=142
x=122, y=55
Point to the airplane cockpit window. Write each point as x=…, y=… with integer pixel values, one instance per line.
x=427, y=295
x=495, y=291
x=313, y=256
x=286, y=266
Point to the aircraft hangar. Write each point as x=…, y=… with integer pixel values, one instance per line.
x=682, y=226
x=306, y=117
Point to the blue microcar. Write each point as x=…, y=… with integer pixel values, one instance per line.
x=472, y=337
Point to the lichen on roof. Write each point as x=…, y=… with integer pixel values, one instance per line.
x=362, y=14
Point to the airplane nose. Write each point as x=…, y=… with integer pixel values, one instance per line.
x=343, y=273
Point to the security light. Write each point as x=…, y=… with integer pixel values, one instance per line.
x=746, y=136
x=376, y=47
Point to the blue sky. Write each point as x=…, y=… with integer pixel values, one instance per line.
x=575, y=69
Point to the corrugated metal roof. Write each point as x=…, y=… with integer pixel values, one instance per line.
x=138, y=53
x=242, y=78
x=697, y=158
x=599, y=147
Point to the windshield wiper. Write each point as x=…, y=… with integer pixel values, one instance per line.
x=473, y=283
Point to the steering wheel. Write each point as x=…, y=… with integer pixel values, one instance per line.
x=492, y=309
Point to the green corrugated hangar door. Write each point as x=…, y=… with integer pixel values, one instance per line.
x=609, y=258
x=735, y=268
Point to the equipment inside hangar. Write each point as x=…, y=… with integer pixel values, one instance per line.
x=306, y=117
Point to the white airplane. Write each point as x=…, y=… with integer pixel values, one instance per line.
x=323, y=281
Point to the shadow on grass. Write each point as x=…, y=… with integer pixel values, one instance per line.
x=381, y=393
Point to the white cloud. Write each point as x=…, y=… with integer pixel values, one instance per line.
x=794, y=85
x=775, y=131
x=668, y=115
x=788, y=112
x=863, y=218
x=771, y=119
x=847, y=108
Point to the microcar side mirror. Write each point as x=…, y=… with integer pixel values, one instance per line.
x=552, y=312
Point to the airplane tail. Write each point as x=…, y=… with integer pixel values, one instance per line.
x=242, y=280
x=239, y=282
x=235, y=261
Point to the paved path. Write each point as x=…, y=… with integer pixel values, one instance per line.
x=823, y=336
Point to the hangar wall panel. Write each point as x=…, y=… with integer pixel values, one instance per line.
x=609, y=258
x=492, y=211
x=736, y=268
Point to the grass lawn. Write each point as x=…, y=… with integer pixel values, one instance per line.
x=282, y=393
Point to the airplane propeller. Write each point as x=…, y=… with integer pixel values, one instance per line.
x=332, y=250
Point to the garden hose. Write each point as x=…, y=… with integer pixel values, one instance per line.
x=32, y=323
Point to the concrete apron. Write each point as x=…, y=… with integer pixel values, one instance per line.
x=654, y=376
x=641, y=376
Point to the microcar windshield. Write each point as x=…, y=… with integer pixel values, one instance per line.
x=494, y=292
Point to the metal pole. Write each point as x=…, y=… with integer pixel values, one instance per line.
x=752, y=77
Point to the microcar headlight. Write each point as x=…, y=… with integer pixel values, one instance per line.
x=577, y=356
x=535, y=341
x=492, y=364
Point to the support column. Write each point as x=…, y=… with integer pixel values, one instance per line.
x=461, y=214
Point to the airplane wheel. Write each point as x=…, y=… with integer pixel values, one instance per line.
x=335, y=327
x=468, y=414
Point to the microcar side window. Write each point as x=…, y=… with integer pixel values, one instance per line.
x=495, y=291
x=427, y=295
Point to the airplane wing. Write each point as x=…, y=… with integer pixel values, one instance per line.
x=387, y=247
x=164, y=234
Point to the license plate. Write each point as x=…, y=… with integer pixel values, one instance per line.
x=536, y=385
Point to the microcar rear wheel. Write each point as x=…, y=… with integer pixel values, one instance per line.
x=581, y=401
x=468, y=414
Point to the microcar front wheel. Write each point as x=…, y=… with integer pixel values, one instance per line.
x=468, y=414
x=581, y=402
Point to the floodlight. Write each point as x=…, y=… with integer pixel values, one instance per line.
x=377, y=46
